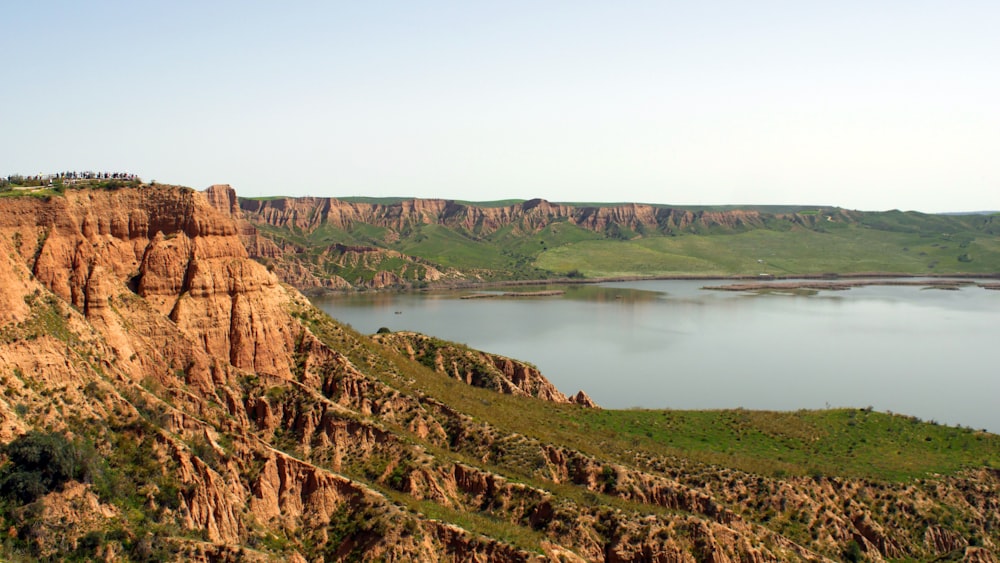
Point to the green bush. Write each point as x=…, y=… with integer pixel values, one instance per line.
x=40, y=462
x=853, y=552
x=609, y=477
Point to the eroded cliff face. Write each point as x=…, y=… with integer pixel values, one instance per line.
x=361, y=266
x=180, y=255
x=235, y=421
x=308, y=214
x=376, y=265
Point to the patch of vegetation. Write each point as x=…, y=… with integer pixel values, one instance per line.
x=134, y=468
x=17, y=185
x=119, y=462
x=35, y=192
x=41, y=462
x=847, y=249
x=46, y=318
x=856, y=443
x=351, y=532
x=450, y=248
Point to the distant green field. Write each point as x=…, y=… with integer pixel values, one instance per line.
x=515, y=241
x=848, y=249
x=772, y=209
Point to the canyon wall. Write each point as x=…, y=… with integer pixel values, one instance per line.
x=310, y=213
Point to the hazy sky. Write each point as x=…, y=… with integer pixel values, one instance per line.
x=862, y=104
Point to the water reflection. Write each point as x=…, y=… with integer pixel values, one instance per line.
x=929, y=353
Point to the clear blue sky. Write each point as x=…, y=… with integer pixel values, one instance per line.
x=862, y=104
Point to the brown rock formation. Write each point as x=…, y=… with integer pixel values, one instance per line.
x=581, y=398
x=223, y=198
x=308, y=214
x=479, y=369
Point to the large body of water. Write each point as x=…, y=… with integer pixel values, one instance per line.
x=929, y=353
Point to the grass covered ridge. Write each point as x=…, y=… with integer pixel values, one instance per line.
x=849, y=249
x=856, y=443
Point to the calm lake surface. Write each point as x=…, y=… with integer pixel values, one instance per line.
x=930, y=353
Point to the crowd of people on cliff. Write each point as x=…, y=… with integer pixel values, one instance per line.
x=69, y=176
x=89, y=175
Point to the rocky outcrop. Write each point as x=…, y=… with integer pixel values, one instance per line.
x=583, y=399
x=223, y=198
x=479, y=369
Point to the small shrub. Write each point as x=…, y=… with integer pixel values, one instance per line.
x=94, y=390
x=201, y=448
x=276, y=393
x=854, y=553
x=397, y=479
x=609, y=477
x=42, y=462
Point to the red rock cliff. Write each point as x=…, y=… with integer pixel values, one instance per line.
x=309, y=213
x=176, y=250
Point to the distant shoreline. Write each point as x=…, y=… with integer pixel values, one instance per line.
x=858, y=279
x=946, y=284
x=551, y=293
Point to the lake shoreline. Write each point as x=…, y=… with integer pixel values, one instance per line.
x=831, y=277
x=674, y=345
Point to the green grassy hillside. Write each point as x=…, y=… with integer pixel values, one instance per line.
x=847, y=249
